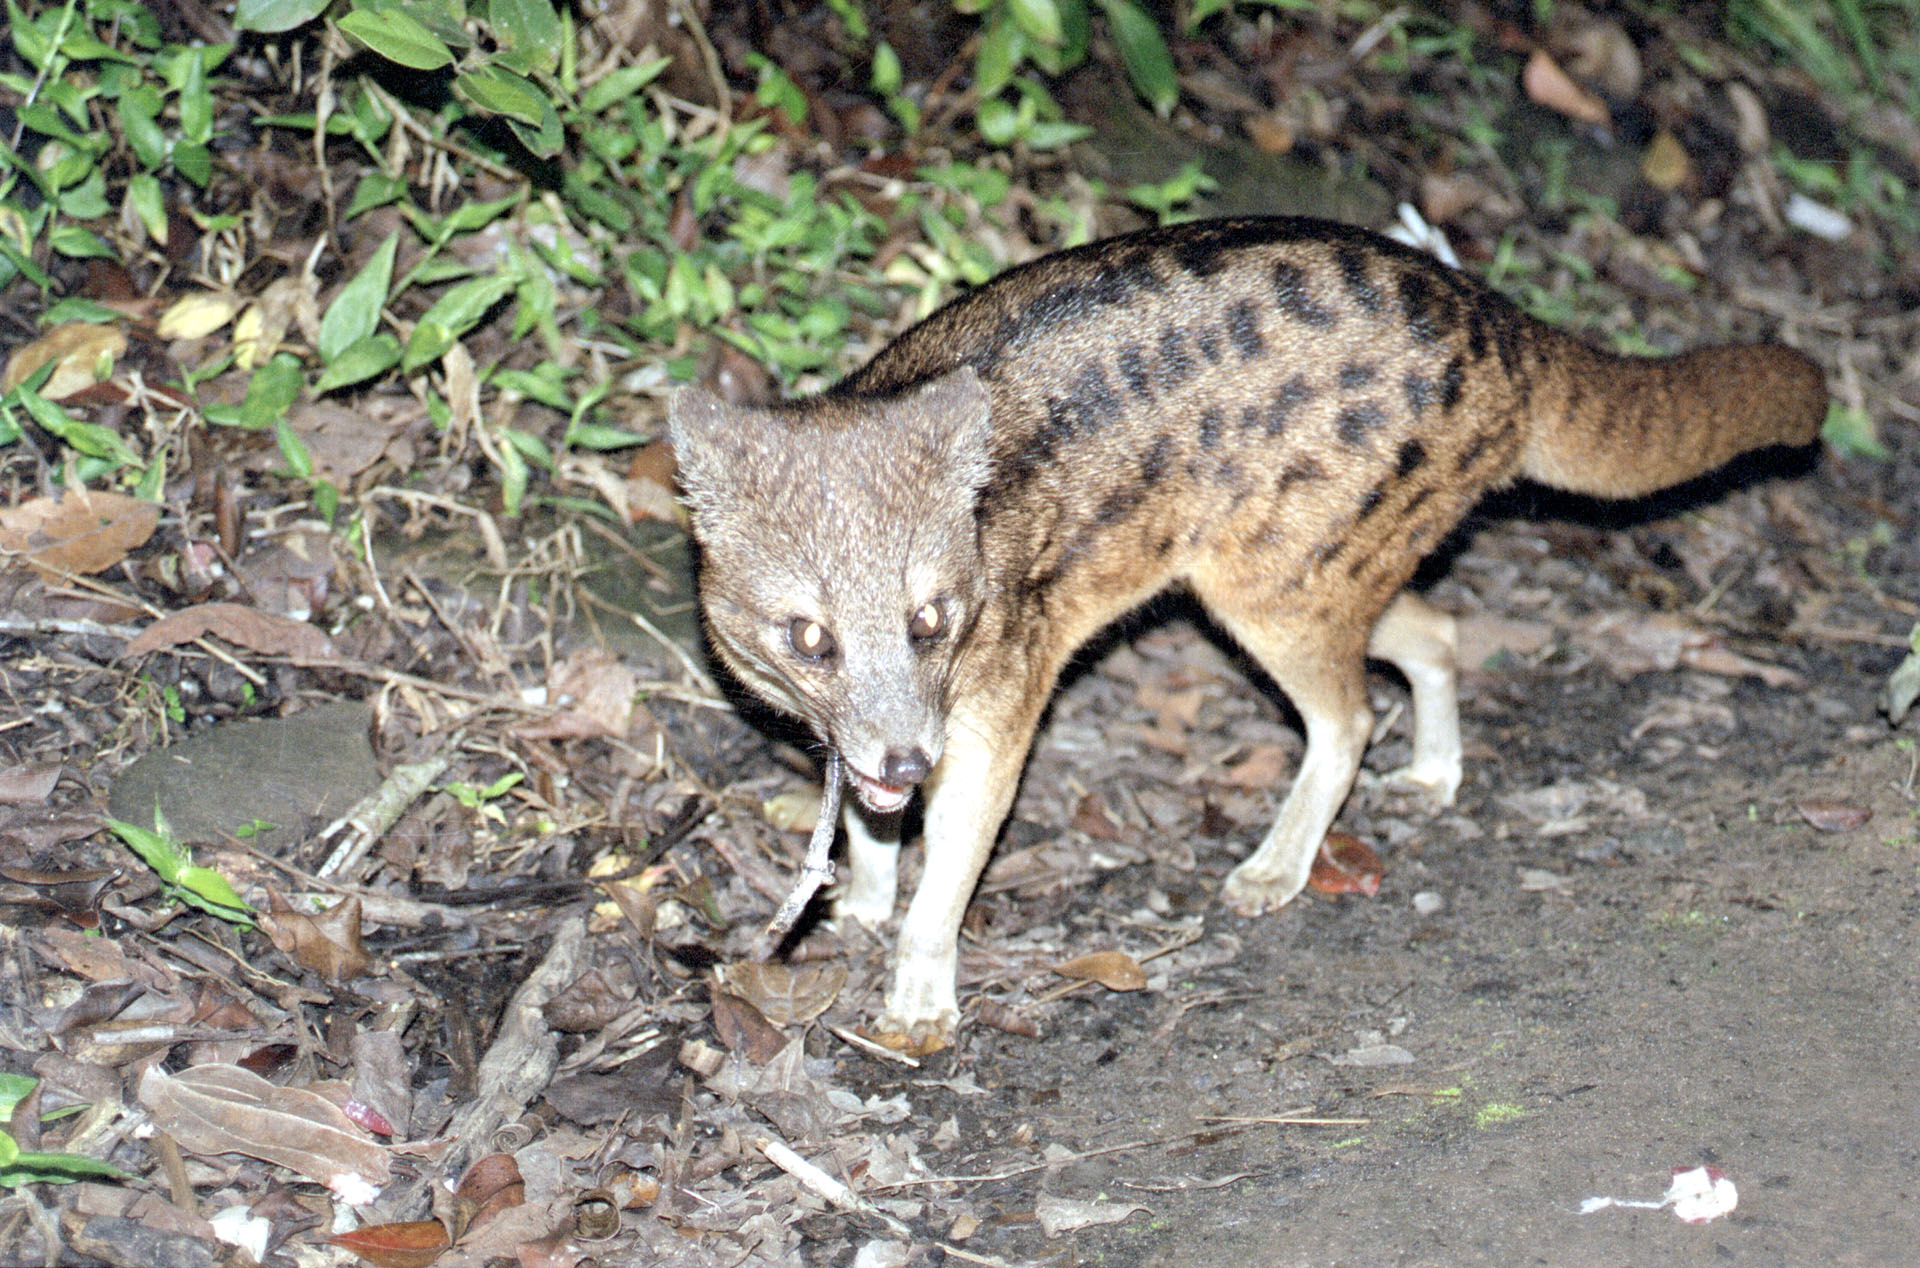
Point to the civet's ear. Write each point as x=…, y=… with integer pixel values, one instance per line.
x=955, y=412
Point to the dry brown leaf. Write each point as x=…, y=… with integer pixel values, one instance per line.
x=1264, y=766
x=1553, y=88
x=1269, y=133
x=1666, y=164
x=217, y=1109
x=86, y=531
x=1601, y=52
x=783, y=993
x=342, y=442
x=1115, y=970
x=1833, y=816
x=328, y=943
x=407, y=1244
x=84, y=352
x=744, y=1030
x=491, y=1185
x=30, y=784
x=649, y=485
x=257, y=631
x=595, y=694
x=1346, y=865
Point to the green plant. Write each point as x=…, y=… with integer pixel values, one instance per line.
x=21, y=1167
x=185, y=881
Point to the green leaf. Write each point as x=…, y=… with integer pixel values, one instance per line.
x=39, y=1168
x=274, y=16
x=455, y=313
x=354, y=313
x=1001, y=49
x=545, y=140
x=1144, y=53
x=273, y=388
x=397, y=37
x=1040, y=20
x=1852, y=432
x=194, y=162
x=496, y=91
x=88, y=438
x=360, y=361
x=997, y=121
x=139, y=119
x=196, y=101
x=529, y=32
x=622, y=84
x=14, y=1088
x=293, y=449
x=79, y=243
x=143, y=195
x=375, y=189
x=198, y=887
x=156, y=847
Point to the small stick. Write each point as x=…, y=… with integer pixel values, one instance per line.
x=815, y=872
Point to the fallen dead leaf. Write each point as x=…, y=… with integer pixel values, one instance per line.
x=1553, y=88
x=595, y=693
x=1263, y=766
x=217, y=1109
x=1346, y=865
x=784, y=993
x=328, y=943
x=1115, y=970
x=1832, y=816
x=196, y=316
x=1064, y=1215
x=263, y=632
x=87, y=531
x=744, y=1030
x=407, y=1244
x=1666, y=164
x=84, y=353
x=491, y=1185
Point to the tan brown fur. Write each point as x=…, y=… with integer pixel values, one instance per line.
x=1282, y=415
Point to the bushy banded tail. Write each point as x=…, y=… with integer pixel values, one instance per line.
x=1628, y=426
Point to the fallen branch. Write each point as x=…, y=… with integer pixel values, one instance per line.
x=815, y=872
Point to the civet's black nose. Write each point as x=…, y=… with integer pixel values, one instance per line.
x=904, y=768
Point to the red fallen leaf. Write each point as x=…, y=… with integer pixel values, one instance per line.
x=1346, y=865
x=1832, y=816
x=491, y=1185
x=265, y=632
x=408, y=1244
x=367, y=1116
x=1553, y=88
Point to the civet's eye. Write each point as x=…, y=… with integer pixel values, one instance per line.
x=930, y=622
x=810, y=639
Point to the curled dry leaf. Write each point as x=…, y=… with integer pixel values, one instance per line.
x=328, y=942
x=408, y=1244
x=196, y=316
x=1833, y=816
x=595, y=694
x=217, y=1109
x=1346, y=865
x=992, y=1012
x=744, y=1030
x=86, y=531
x=1553, y=88
x=84, y=353
x=783, y=993
x=491, y=1185
x=257, y=631
x=1115, y=970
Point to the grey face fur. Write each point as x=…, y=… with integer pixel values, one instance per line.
x=859, y=643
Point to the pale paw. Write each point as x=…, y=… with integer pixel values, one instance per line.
x=915, y=1036
x=1439, y=782
x=870, y=911
x=1248, y=893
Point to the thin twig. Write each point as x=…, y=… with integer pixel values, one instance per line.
x=815, y=872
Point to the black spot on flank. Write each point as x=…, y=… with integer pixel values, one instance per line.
x=1452, y=381
x=1243, y=326
x=1153, y=463
x=1471, y=454
x=1353, y=270
x=1291, y=296
x=1164, y=546
x=1326, y=552
x=1286, y=402
x=1354, y=376
x=1506, y=341
x=1416, y=306
x=1477, y=315
x=1133, y=368
x=1117, y=505
x=1370, y=503
x=1412, y=456
x=1420, y=391
x=1357, y=422
x=1414, y=503
x=1209, y=341
x=1210, y=421
x=1176, y=362
x=1300, y=471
